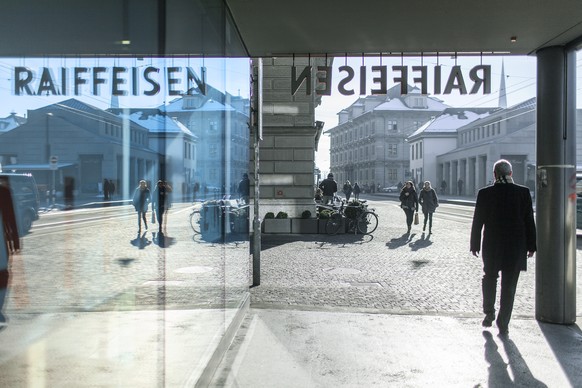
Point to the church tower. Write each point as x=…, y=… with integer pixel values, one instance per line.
x=502, y=91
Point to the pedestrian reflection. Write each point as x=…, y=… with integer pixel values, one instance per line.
x=9, y=244
x=141, y=241
x=141, y=200
x=161, y=202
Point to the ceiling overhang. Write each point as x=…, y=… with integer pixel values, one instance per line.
x=339, y=27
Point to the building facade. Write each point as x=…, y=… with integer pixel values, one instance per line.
x=436, y=137
x=369, y=144
x=506, y=133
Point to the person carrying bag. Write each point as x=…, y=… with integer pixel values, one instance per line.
x=409, y=203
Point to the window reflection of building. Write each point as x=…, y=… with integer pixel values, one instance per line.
x=156, y=136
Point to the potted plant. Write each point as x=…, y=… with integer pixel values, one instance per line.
x=279, y=223
x=304, y=225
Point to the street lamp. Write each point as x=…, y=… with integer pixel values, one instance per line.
x=48, y=144
x=49, y=158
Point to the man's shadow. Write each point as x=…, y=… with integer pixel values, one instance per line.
x=499, y=375
x=141, y=241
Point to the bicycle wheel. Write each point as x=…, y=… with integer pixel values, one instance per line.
x=367, y=222
x=334, y=223
x=195, y=221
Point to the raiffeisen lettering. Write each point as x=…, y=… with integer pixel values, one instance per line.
x=479, y=78
x=120, y=81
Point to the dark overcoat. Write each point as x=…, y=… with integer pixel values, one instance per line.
x=429, y=200
x=409, y=201
x=504, y=219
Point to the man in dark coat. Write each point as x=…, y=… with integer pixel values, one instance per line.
x=504, y=213
x=244, y=187
x=329, y=188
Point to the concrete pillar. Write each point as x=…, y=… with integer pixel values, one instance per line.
x=556, y=178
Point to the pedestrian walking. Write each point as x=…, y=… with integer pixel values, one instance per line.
x=105, y=189
x=161, y=202
x=141, y=201
x=429, y=201
x=460, y=184
x=111, y=189
x=357, y=191
x=347, y=189
x=409, y=202
x=443, y=187
x=244, y=188
x=504, y=214
x=329, y=187
x=9, y=244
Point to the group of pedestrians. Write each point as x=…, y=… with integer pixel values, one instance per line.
x=410, y=199
x=160, y=201
x=328, y=188
x=503, y=229
x=350, y=189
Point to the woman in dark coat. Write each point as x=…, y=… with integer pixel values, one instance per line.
x=357, y=191
x=429, y=202
x=161, y=202
x=141, y=201
x=409, y=202
x=347, y=190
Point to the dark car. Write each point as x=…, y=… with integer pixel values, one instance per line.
x=25, y=197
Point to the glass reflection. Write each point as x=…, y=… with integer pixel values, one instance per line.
x=135, y=299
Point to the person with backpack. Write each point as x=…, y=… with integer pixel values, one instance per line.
x=329, y=187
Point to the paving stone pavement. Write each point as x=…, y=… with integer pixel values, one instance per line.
x=388, y=272
x=107, y=265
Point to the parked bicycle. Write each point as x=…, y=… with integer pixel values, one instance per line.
x=357, y=215
x=213, y=214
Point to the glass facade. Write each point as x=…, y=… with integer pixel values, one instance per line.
x=140, y=286
x=85, y=132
